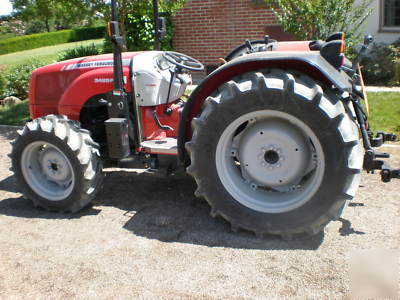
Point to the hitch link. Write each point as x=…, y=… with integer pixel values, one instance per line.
x=371, y=163
x=381, y=138
x=388, y=174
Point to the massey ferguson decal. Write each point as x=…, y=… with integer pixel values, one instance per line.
x=94, y=64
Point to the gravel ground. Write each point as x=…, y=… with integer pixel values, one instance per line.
x=146, y=236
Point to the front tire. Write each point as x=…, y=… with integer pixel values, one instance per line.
x=56, y=163
x=273, y=153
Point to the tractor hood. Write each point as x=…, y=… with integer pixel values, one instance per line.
x=49, y=84
x=84, y=64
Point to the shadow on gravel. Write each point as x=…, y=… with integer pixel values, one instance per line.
x=10, y=133
x=165, y=209
x=23, y=208
x=347, y=229
x=161, y=208
x=8, y=184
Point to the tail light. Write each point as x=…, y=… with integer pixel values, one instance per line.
x=109, y=29
x=113, y=28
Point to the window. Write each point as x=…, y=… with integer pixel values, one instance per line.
x=390, y=16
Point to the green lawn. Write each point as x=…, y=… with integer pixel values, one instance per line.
x=385, y=112
x=46, y=54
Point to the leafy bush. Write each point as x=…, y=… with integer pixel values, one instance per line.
x=14, y=115
x=80, y=51
x=3, y=84
x=35, y=26
x=17, y=79
x=381, y=65
x=87, y=33
x=50, y=38
x=13, y=26
x=313, y=20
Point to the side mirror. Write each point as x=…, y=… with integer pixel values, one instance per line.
x=368, y=39
x=162, y=27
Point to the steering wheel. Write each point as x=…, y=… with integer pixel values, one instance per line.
x=183, y=61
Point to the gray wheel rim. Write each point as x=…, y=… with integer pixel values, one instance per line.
x=47, y=171
x=270, y=161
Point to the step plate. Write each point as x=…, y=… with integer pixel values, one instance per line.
x=164, y=146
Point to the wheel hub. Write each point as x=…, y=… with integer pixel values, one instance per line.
x=273, y=153
x=47, y=171
x=271, y=157
x=270, y=161
x=54, y=166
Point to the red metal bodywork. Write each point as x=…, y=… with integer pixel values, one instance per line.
x=64, y=87
x=150, y=129
x=293, y=46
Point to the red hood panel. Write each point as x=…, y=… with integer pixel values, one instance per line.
x=49, y=83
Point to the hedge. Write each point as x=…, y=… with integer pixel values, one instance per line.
x=27, y=42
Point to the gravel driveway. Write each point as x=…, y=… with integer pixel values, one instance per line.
x=147, y=236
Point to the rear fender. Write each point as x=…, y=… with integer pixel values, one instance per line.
x=310, y=63
x=98, y=81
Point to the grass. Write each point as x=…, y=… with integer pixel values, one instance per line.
x=6, y=36
x=14, y=115
x=46, y=54
x=385, y=111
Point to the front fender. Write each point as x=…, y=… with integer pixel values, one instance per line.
x=310, y=63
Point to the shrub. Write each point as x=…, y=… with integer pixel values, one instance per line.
x=3, y=84
x=14, y=26
x=87, y=33
x=80, y=51
x=17, y=79
x=380, y=66
x=14, y=115
x=35, y=26
x=313, y=20
x=50, y=38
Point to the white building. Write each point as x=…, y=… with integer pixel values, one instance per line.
x=384, y=22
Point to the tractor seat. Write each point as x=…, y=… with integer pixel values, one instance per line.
x=317, y=45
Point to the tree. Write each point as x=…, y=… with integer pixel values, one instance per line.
x=30, y=10
x=137, y=24
x=59, y=14
x=317, y=19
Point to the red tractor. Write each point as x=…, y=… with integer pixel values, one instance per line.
x=276, y=137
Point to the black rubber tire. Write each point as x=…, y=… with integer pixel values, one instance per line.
x=331, y=121
x=82, y=153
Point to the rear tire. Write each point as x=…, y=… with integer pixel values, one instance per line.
x=56, y=163
x=308, y=164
